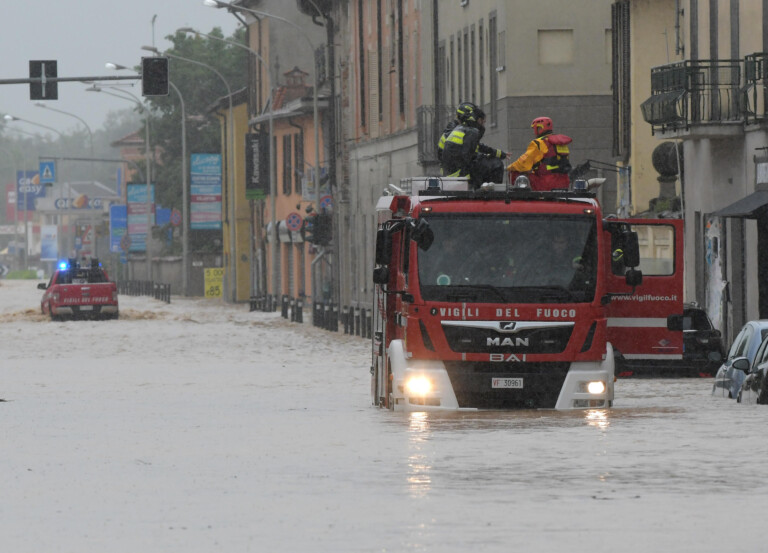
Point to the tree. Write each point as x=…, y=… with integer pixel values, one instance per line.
x=200, y=88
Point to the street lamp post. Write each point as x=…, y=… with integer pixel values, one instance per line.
x=272, y=168
x=184, y=196
x=231, y=164
x=133, y=98
x=9, y=118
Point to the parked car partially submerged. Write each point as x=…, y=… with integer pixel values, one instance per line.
x=754, y=389
x=741, y=356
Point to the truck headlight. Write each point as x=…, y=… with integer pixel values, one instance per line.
x=418, y=385
x=596, y=387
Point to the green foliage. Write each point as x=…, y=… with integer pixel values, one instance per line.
x=27, y=274
x=201, y=88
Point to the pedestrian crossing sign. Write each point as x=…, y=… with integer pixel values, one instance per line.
x=47, y=172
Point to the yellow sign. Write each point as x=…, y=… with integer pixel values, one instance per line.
x=214, y=282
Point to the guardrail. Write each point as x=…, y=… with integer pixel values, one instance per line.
x=156, y=290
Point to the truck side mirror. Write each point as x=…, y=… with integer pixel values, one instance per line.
x=381, y=275
x=634, y=277
x=422, y=234
x=42, y=286
x=631, y=249
x=383, y=246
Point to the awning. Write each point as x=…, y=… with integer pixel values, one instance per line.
x=750, y=207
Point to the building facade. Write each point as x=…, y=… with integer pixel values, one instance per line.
x=713, y=103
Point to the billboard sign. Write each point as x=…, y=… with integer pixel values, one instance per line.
x=118, y=226
x=137, y=215
x=205, y=192
x=28, y=189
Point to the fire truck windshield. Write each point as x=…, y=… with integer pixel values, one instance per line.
x=521, y=258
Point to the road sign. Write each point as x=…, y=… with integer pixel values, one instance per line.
x=175, y=217
x=326, y=202
x=4, y=270
x=293, y=221
x=47, y=172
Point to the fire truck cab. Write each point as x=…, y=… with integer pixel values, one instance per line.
x=501, y=298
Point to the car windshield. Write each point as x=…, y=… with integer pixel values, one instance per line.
x=522, y=258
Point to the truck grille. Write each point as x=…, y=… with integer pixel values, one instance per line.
x=465, y=339
x=471, y=383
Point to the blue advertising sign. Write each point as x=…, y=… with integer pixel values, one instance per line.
x=118, y=226
x=137, y=215
x=28, y=188
x=205, y=191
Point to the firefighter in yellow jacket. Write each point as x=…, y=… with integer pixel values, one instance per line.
x=461, y=153
x=546, y=159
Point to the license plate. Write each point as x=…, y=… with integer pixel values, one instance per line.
x=506, y=382
x=86, y=308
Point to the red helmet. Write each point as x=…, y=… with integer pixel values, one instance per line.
x=541, y=125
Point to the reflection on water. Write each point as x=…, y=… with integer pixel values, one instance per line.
x=598, y=418
x=419, y=465
x=421, y=425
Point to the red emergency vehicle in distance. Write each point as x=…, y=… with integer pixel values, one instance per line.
x=475, y=307
x=79, y=291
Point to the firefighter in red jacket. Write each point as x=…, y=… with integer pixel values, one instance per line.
x=546, y=159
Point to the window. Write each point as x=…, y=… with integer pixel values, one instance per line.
x=472, y=63
x=458, y=68
x=298, y=160
x=740, y=346
x=400, y=56
x=287, y=170
x=481, y=62
x=451, y=65
x=442, y=66
x=492, y=64
x=361, y=56
x=467, y=74
x=379, y=53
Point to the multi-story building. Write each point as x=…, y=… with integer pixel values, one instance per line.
x=278, y=118
x=406, y=64
x=710, y=98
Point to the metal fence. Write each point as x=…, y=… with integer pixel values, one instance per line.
x=352, y=320
x=156, y=290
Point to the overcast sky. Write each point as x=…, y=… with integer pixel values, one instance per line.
x=83, y=35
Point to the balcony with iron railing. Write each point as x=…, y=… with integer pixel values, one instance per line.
x=696, y=96
x=430, y=122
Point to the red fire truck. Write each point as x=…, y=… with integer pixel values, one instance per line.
x=504, y=298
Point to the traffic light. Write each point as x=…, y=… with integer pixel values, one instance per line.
x=317, y=229
x=154, y=76
x=45, y=89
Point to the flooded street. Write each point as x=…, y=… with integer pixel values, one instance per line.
x=198, y=426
